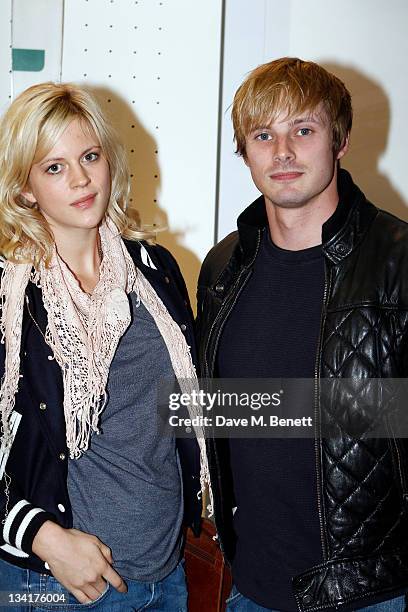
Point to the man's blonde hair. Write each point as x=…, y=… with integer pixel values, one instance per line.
x=294, y=86
x=28, y=131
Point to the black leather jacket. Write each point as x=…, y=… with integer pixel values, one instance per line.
x=362, y=484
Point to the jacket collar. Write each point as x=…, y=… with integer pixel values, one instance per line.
x=341, y=233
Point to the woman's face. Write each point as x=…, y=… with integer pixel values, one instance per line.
x=71, y=184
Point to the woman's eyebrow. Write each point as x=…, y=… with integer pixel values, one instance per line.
x=57, y=159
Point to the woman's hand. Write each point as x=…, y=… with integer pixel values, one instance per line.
x=79, y=561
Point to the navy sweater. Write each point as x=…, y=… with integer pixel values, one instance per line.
x=273, y=333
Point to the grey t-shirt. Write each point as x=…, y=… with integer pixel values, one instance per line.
x=126, y=489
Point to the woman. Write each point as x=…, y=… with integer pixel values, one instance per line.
x=92, y=318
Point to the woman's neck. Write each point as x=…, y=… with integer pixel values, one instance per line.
x=82, y=254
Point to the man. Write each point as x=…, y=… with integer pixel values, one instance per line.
x=313, y=285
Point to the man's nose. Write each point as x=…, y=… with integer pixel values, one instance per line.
x=283, y=150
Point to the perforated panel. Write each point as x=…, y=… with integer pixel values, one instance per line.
x=155, y=67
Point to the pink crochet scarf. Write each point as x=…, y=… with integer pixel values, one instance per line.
x=83, y=332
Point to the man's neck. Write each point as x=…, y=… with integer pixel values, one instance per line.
x=299, y=228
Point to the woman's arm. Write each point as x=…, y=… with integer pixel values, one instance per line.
x=78, y=560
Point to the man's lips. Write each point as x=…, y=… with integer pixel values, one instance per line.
x=285, y=176
x=85, y=202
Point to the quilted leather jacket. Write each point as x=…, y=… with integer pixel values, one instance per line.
x=362, y=484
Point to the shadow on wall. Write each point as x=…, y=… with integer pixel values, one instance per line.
x=142, y=153
x=369, y=135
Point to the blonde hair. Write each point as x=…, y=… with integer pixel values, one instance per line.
x=293, y=85
x=28, y=131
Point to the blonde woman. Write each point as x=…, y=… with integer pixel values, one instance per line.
x=91, y=496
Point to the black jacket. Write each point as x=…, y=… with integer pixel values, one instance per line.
x=38, y=460
x=362, y=484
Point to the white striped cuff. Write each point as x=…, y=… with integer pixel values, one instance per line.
x=18, y=521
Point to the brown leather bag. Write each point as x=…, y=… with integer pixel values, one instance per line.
x=208, y=577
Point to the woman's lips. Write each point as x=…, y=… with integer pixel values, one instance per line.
x=286, y=176
x=85, y=203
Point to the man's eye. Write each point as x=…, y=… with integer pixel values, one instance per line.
x=92, y=156
x=304, y=131
x=263, y=136
x=54, y=169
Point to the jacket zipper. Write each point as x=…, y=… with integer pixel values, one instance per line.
x=227, y=312
x=217, y=318
x=399, y=465
x=402, y=480
x=316, y=406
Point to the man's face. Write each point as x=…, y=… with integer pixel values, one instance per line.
x=292, y=160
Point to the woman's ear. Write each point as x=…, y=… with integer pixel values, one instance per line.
x=28, y=194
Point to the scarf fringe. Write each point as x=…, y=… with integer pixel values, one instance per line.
x=83, y=333
x=13, y=283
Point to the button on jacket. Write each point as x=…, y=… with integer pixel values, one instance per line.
x=362, y=485
x=38, y=461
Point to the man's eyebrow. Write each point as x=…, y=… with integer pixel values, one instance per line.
x=307, y=119
x=58, y=159
x=258, y=128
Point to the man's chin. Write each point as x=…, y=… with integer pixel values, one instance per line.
x=288, y=202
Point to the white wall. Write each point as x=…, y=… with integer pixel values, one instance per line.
x=5, y=55
x=37, y=26
x=365, y=44
x=247, y=43
x=154, y=65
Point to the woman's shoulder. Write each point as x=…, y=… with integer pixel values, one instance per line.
x=157, y=257
x=153, y=256
x=2, y=265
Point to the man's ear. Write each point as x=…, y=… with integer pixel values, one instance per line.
x=28, y=195
x=344, y=147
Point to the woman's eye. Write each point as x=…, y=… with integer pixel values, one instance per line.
x=263, y=136
x=54, y=169
x=92, y=156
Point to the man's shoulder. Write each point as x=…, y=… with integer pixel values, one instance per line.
x=392, y=220
x=391, y=231
x=217, y=259
x=384, y=252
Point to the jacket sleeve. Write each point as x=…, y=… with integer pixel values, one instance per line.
x=167, y=260
x=20, y=520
